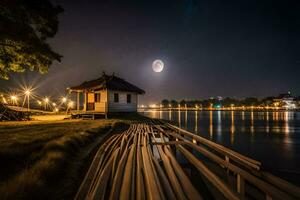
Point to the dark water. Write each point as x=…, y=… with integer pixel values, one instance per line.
x=270, y=137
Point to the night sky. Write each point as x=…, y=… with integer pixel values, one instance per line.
x=210, y=48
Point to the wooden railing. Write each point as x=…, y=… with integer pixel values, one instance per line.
x=249, y=169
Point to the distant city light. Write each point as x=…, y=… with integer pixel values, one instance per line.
x=153, y=106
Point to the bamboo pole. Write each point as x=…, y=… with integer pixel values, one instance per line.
x=125, y=168
x=216, y=181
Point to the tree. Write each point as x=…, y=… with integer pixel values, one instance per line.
x=268, y=101
x=25, y=26
x=182, y=103
x=230, y=101
x=251, y=101
x=165, y=103
x=174, y=103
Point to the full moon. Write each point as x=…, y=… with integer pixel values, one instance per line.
x=157, y=65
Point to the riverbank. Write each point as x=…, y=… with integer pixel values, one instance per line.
x=47, y=159
x=255, y=109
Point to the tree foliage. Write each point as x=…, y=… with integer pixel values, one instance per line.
x=226, y=102
x=25, y=26
x=165, y=102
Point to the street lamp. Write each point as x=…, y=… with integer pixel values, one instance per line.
x=14, y=99
x=64, y=99
x=40, y=104
x=46, y=100
x=27, y=93
x=70, y=104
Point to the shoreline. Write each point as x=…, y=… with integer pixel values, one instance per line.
x=240, y=110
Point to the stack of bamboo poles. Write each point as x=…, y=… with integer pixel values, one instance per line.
x=141, y=163
x=126, y=168
x=8, y=114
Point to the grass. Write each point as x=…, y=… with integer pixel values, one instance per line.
x=38, y=158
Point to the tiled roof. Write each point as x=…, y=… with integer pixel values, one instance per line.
x=108, y=82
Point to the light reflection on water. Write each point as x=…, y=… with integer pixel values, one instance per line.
x=272, y=137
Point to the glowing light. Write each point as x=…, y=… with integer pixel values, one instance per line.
x=64, y=99
x=46, y=100
x=54, y=104
x=157, y=66
x=153, y=106
x=39, y=102
x=211, y=125
x=71, y=104
x=218, y=106
x=27, y=92
x=13, y=97
x=56, y=109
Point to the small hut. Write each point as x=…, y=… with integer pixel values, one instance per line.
x=107, y=94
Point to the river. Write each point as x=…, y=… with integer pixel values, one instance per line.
x=270, y=137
